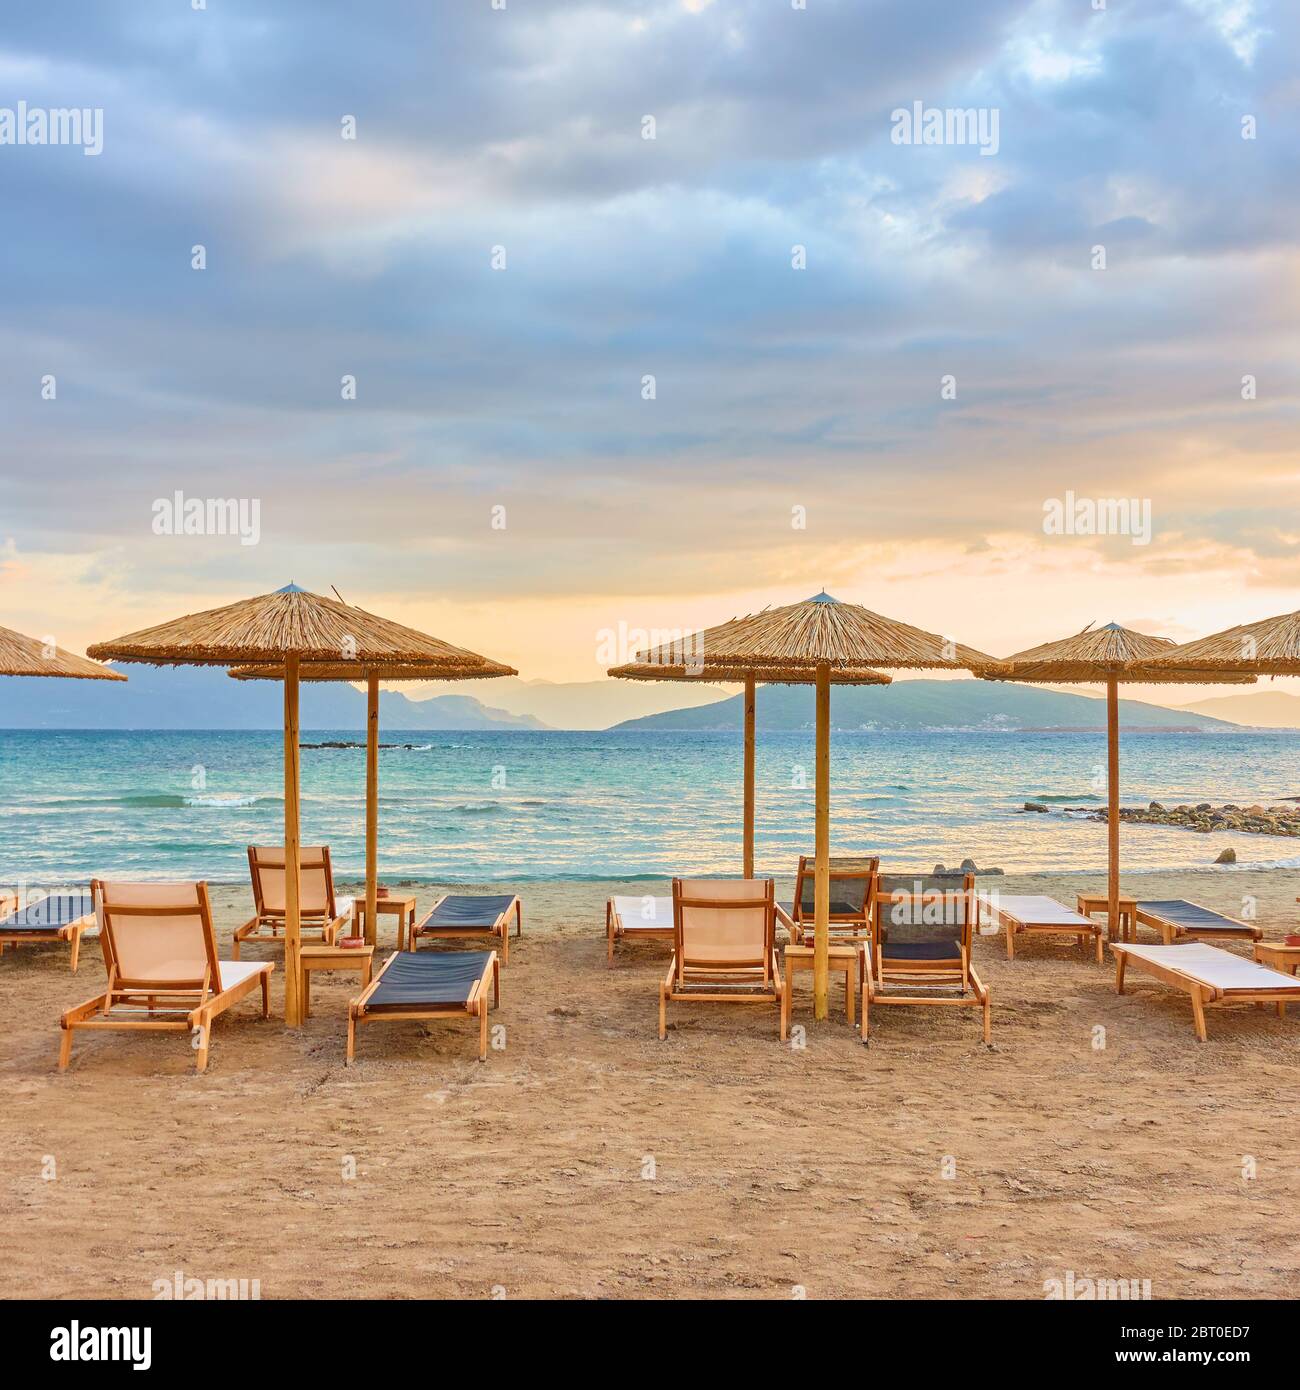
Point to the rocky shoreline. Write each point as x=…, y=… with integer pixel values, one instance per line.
x=1203, y=818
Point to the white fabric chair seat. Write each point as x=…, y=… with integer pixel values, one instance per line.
x=632, y=913
x=235, y=972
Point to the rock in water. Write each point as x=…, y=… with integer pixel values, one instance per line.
x=1227, y=856
x=1035, y=806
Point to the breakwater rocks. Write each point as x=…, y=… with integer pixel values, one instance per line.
x=1205, y=818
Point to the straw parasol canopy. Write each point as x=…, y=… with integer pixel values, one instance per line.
x=372, y=673
x=29, y=656
x=820, y=630
x=290, y=621
x=776, y=675
x=286, y=629
x=1111, y=654
x=825, y=638
x=1270, y=647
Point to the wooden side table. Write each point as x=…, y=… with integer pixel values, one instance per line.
x=1279, y=956
x=403, y=908
x=356, y=958
x=1088, y=903
x=845, y=958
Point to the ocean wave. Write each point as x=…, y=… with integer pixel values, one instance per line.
x=1065, y=797
x=477, y=808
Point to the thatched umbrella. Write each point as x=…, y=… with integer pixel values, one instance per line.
x=372, y=674
x=284, y=629
x=1270, y=647
x=1110, y=654
x=29, y=656
x=822, y=636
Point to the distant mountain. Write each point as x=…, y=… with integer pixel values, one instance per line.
x=930, y=705
x=199, y=697
x=1261, y=709
x=579, y=704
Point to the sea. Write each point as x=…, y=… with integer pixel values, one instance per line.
x=527, y=806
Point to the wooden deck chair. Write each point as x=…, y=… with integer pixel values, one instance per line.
x=1176, y=919
x=724, y=945
x=633, y=918
x=458, y=915
x=57, y=916
x=160, y=952
x=1210, y=975
x=432, y=984
x=320, y=910
x=853, y=886
x=921, y=945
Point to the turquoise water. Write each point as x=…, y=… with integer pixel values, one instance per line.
x=521, y=806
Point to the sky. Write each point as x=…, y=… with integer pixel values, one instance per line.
x=612, y=384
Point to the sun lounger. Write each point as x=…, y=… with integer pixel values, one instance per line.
x=1037, y=913
x=921, y=944
x=1210, y=975
x=160, y=952
x=320, y=910
x=1176, y=919
x=724, y=945
x=435, y=984
x=852, y=884
x=55, y=917
x=636, y=917
x=464, y=914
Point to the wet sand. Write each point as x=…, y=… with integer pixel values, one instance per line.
x=586, y=1158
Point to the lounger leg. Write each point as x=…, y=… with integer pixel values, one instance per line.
x=988, y=1018
x=496, y=983
x=481, y=1005
x=234, y=947
x=204, y=1031
x=866, y=1006
x=1121, y=960
x=1096, y=936
x=65, y=1048
x=519, y=919
x=505, y=942
x=1011, y=942
x=1198, y=1014
x=609, y=936
x=785, y=1007
x=266, y=994
x=352, y=1038
x=849, y=1002
x=663, y=1012
x=76, y=948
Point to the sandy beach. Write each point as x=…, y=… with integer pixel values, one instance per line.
x=588, y=1159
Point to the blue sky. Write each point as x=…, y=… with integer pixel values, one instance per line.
x=775, y=388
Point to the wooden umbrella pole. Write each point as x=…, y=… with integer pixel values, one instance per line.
x=749, y=777
x=822, y=877
x=292, y=858
x=372, y=803
x=1112, y=802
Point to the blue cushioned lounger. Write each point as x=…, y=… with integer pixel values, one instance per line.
x=449, y=984
x=1177, y=919
x=464, y=914
x=60, y=916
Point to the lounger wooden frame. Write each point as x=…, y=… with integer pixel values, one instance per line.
x=733, y=979
x=190, y=1004
x=498, y=930
x=68, y=931
x=883, y=973
x=327, y=919
x=1171, y=931
x=476, y=1006
x=1204, y=995
x=1016, y=923
x=845, y=927
x=616, y=929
